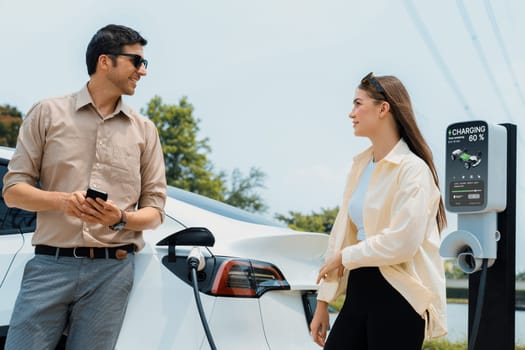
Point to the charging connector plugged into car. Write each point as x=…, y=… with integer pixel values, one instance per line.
x=196, y=262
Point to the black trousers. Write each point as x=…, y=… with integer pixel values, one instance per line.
x=375, y=317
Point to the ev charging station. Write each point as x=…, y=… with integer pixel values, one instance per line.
x=480, y=187
x=475, y=175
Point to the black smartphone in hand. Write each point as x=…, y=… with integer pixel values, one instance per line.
x=94, y=194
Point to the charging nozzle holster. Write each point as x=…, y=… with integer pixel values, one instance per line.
x=476, y=239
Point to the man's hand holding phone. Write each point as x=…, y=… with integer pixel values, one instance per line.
x=97, y=208
x=94, y=194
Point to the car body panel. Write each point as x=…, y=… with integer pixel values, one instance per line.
x=161, y=313
x=236, y=324
x=286, y=328
x=9, y=247
x=13, y=279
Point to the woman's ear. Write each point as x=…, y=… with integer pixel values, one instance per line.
x=384, y=109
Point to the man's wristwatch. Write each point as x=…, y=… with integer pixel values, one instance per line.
x=120, y=225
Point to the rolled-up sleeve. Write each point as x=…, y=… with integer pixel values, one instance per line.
x=25, y=164
x=153, y=172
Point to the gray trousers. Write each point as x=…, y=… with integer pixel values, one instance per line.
x=86, y=298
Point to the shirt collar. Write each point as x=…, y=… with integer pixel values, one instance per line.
x=84, y=99
x=395, y=155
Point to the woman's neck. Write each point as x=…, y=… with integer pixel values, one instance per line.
x=383, y=144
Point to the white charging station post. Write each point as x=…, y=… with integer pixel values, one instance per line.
x=480, y=180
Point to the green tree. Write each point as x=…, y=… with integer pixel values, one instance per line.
x=10, y=121
x=520, y=276
x=314, y=222
x=187, y=163
x=10, y=110
x=242, y=192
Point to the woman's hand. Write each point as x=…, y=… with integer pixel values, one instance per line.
x=333, y=263
x=320, y=323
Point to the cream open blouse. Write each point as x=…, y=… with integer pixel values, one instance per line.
x=402, y=236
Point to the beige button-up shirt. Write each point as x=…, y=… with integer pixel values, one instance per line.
x=402, y=236
x=66, y=145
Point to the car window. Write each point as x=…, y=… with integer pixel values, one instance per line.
x=220, y=208
x=13, y=220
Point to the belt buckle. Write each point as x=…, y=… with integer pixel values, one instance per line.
x=75, y=254
x=91, y=254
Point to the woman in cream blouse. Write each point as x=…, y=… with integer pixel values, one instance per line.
x=383, y=250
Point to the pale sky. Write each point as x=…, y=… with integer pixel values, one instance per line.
x=272, y=81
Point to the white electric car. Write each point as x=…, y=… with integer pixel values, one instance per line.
x=257, y=288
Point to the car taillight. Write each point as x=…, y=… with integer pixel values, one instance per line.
x=247, y=278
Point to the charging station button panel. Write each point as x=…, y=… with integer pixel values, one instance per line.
x=467, y=193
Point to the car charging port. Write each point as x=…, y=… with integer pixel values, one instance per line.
x=197, y=263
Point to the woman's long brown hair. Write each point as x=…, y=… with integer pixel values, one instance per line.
x=397, y=96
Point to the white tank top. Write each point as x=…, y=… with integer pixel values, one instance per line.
x=355, y=207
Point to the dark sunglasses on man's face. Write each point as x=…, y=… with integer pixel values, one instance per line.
x=370, y=79
x=138, y=60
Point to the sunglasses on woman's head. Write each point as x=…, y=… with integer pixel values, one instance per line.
x=370, y=79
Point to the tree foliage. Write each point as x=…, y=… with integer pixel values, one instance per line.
x=242, y=193
x=520, y=276
x=187, y=163
x=10, y=110
x=10, y=121
x=314, y=222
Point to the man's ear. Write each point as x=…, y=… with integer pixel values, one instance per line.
x=104, y=62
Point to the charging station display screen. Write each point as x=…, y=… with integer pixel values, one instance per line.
x=466, y=166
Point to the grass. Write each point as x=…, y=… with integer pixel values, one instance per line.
x=338, y=303
x=444, y=345
x=447, y=345
x=457, y=301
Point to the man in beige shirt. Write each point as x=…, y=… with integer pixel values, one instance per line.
x=66, y=145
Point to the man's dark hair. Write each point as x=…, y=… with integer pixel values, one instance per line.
x=111, y=38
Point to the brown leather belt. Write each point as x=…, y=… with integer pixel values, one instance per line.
x=87, y=252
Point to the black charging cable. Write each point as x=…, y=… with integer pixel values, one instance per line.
x=193, y=262
x=479, y=305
